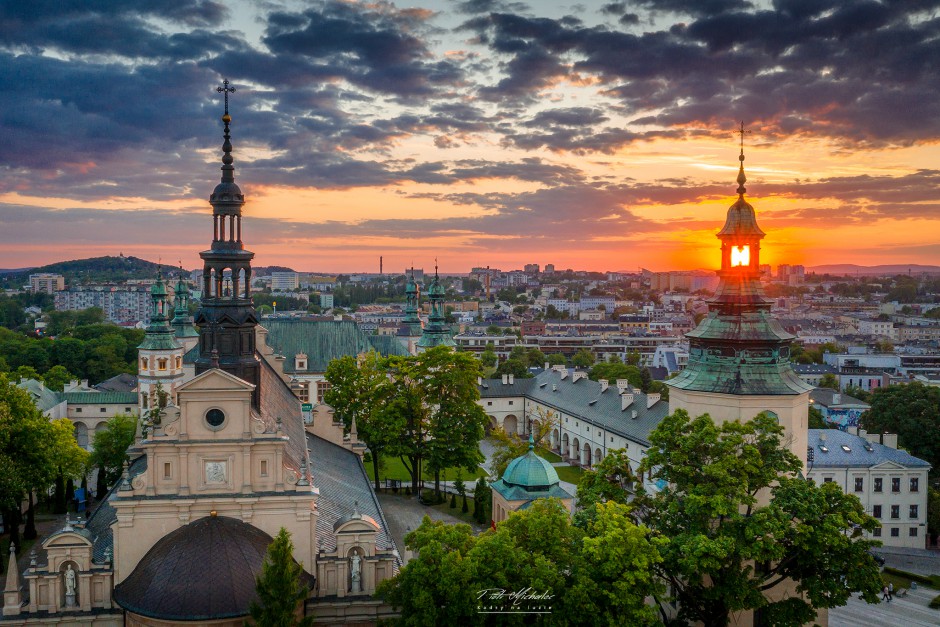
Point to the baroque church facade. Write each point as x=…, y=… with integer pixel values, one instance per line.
x=223, y=461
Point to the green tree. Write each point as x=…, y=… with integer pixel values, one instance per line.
x=816, y=420
x=646, y=380
x=856, y=392
x=633, y=358
x=70, y=460
x=109, y=449
x=610, y=481
x=912, y=411
x=482, y=498
x=359, y=390
x=711, y=513
x=830, y=381
x=56, y=378
x=508, y=446
x=613, y=371
x=583, y=359
x=280, y=587
x=516, y=367
x=488, y=358
x=556, y=359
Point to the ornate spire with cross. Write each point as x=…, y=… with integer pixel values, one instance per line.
x=225, y=89
x=741, y=178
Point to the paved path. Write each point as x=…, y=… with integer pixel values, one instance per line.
x=909, y=611
x=404, y=514
x=917, y=561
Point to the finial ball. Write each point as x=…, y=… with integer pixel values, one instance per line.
x=226, y=118
x=741, y=157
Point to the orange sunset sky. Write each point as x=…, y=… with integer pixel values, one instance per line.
x=595, y=136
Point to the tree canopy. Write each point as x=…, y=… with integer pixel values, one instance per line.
x=280, y=587
x=730, y=499
x=109, y=449
x=912, y=411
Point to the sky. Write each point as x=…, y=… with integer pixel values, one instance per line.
x=591, y=135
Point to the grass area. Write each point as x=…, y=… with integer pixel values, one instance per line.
x=571, y=474
x=548, y=455
x=903, y=579
x=393, y=468
x=456, y=512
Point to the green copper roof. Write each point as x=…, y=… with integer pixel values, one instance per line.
x=517, y=493
x=99, y=398
x=530, y=472
x=324, y=341
x=436, y=332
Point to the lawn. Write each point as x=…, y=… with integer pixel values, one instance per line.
x=548, y=455
x=571, y=474
x=393, y=468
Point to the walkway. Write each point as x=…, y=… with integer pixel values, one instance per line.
x=404, y=514
x=910, y=611
x=918, y=561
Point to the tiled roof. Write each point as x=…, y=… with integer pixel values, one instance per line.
x=99, y=524
x=584, y=399
x=99, y=398
x=44, y=398
x=858, y=455
x=323, y=341
x=277, y=401
x=826, y=398
x=806, y=369
x=343, y=482
x=123, y=382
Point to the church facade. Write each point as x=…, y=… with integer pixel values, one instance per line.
x=220, y=466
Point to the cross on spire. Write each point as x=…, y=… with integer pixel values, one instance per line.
x=225, y=89
x=742, y=179
x=742, y=132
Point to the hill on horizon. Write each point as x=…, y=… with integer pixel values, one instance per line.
x=851, y=269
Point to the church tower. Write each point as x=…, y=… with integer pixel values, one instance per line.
x=160, y=356
x=227, y=318
x=410, y=330
x=437, y=332
x=182, y=323
x=739, y=356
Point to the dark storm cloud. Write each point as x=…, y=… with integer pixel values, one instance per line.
x=837, y=69
x=377, y=47
x=488, y=6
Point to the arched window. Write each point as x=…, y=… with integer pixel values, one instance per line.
x=81, y=434
x=161, y=364
x=144, y=363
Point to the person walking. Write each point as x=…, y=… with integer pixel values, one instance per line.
x=884, y=595
x=890, y=590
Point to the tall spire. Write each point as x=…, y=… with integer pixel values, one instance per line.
x=227, y=317
x=437, y=332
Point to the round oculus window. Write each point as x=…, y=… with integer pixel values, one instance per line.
x=215, y=417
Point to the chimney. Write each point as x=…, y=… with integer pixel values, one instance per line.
x=633, y=414
x=862, y=433
x=505, y=379
x=874, y=438
x=852, y=430
x=836, y=399
x=479, y=380
x=652, y=398
x=548, y=366
x=625, y=401
x=512, y=378
x=578, y=375
x=623, y=385
x=564, y=374
x=890, y=440
x=560, y=368
x=604, y=385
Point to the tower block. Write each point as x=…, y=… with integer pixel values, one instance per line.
x=739, y=355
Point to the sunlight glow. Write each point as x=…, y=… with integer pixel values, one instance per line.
x=740, y=256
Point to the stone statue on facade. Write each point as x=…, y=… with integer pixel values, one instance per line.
x=69, y=575
x=356, y=572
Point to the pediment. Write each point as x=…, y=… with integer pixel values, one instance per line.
x=67, y=538
x=216, y=379
x=887, y=465
x=356, y=524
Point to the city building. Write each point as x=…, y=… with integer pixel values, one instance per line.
x=531, y=268
x=549, y=268
x=326, y=300
x=284, y=281
x=890, y=483
x=838, y=409
x=46, y=283
x=120, y=303
x=590, y=417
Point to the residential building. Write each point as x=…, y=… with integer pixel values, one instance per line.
x=326, y=300
x=284, y=281
x=531, y=268
x=890, y=483
x=46, y=283
x=119, y=303
x=838, y=409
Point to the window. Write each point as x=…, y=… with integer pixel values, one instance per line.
x=877, y=532
x=301, y=365
x=611, y=438
x=895, y=532
x=166, y=470
x=895, y=511
x=878, y=481
x=102, y=409
x=78, y=410
x=264, y=468
x=143, y=363
x=913, y=512
x=127, y=409
x=303, y=393
x=489, y=403
x=827, y=479
x=859, y=484
x=215, y=418
x=876, y=511
x=322, y=387
x=912, y=532
x=895, y=484
x=161, y=364
x=915, y=484
x=144, y=400
x=510, y=402
x=179, y=363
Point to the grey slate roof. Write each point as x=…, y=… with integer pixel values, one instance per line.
x=323, y=341
x=44, y=398
x=858, y=456
x=343, y=482
x=826, y=398
x=99, y=524
x=814, y=369
x=548, y=388
x=123, y=382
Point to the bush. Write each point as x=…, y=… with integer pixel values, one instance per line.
x=453, y=501
x=935, y=602
x=901, y=573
